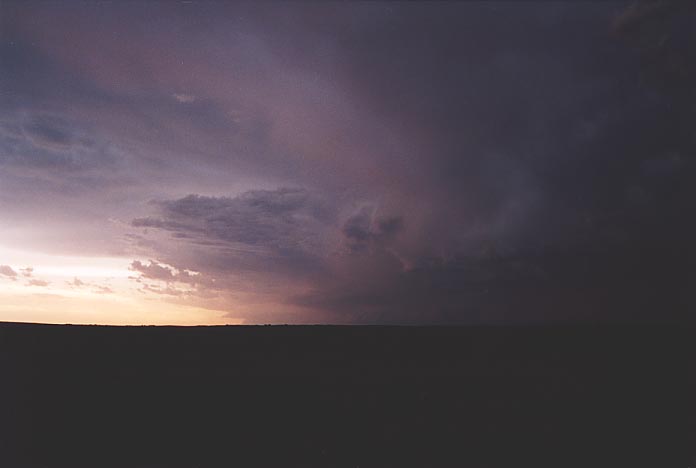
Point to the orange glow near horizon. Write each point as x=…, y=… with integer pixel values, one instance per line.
x=88, y=290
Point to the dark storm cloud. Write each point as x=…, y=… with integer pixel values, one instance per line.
x=451, y=161
x=364, y=230
x=463, y=290
x=47, y=132
x=547, y=162
x=605, y=151
x=576, y=285
x=278, y=221
x=47, y=142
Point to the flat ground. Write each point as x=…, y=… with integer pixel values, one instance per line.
x=136, y=397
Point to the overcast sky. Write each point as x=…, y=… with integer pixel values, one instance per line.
x=202, y=162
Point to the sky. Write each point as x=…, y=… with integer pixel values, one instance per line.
x=347, y=163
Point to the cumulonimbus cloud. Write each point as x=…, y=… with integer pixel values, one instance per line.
x=433, y=153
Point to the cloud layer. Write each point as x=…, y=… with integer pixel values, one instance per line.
x=360, y=163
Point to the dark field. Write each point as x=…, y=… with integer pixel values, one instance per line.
x=136, y=397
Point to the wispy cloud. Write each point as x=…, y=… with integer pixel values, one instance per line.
x=6, y=270
x=38, y=282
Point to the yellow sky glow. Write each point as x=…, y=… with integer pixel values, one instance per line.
x=105, y=294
